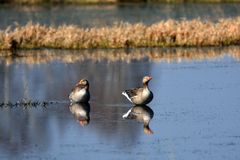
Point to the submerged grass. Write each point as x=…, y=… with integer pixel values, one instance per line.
x=25, y=104
x=124, y=35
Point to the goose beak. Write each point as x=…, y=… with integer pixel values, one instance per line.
x=149, y=78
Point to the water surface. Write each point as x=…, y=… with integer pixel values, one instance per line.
x=105, y=15
x=196, y=105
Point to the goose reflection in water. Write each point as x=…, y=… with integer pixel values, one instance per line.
x=143, y=114
x=81, y=112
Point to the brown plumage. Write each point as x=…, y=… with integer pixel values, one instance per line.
x=80, y=92
x=141, y=95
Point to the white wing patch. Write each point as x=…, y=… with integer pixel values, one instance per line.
x=126, y=95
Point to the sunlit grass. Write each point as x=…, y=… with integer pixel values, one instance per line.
x=124, y=35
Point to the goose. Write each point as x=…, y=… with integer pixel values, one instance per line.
x=80, y=92
x=141, y=95
x=141, y=114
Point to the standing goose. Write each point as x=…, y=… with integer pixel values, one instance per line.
x=141, y=95
x=141, y=114
x=80, y=92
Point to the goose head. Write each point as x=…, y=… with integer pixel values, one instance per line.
x=146, y=79
x=84, y=82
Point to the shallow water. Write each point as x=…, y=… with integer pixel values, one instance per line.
x=102, y=15
x=196, y=108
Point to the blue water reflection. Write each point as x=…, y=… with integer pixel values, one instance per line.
x=100, y=15
x=196, y=110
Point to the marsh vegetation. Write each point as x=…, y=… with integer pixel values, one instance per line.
x=124, y=35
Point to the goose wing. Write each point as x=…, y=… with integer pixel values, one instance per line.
x=134, y=92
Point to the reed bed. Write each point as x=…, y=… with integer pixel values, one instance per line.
x=124, y=35
x=168, y=55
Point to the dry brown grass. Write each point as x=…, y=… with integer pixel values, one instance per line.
x=153, y=54
x=165, y=33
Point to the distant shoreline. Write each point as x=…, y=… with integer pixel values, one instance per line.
x=169, y=33
x=40, y=2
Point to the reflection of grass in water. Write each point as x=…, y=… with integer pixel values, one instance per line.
x=111, y=55
x=106, y=1
x=26, y=104
x=124, y=35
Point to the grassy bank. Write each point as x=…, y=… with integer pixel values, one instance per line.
x=124, y=35
x=108, y=1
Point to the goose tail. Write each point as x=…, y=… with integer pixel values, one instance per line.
x=126, y=95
